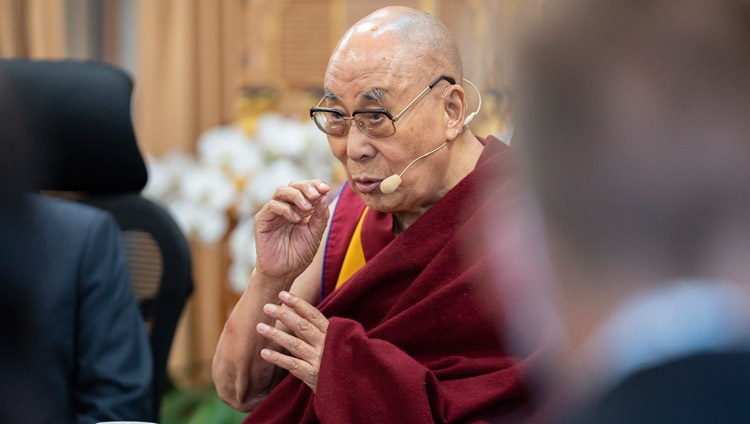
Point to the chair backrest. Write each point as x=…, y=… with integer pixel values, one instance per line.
x=82, y=112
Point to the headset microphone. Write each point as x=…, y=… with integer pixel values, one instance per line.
x=479, y=105
x=390, y=184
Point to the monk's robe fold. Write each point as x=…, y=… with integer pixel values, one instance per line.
x=411, y=340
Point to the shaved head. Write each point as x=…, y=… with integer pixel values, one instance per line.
x=414, y=38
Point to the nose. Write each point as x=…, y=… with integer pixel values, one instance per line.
x=359, y=146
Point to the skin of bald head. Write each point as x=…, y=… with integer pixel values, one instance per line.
x=425, y=39
x=385, y=61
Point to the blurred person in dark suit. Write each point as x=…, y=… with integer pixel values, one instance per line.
x=16, y=323
x=74, y=346
x=634, y=135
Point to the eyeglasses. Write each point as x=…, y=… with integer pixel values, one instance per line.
x=377, y=123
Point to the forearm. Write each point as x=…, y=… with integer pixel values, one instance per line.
x=288, y=233
x=240, y=375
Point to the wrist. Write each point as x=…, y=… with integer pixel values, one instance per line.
x=261, y=281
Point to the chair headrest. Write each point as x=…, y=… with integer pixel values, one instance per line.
x=80, y=113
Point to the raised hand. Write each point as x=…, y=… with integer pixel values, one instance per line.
x=305, y=346
x=289, y=228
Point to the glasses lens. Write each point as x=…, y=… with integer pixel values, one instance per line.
x=376, y=124
x=331, y=123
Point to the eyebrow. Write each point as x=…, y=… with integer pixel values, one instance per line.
x=328, y=95
x=375, y=94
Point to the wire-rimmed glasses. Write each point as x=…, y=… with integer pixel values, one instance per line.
x=377, y=123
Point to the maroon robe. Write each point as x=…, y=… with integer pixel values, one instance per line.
x=409, y=338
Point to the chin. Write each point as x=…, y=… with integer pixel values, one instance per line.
x=387, y=203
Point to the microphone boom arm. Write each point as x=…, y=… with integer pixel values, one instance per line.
x=390, y=184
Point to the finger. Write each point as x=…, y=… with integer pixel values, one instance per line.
x=274, y=209
x=305, y=310
x=321, y=212
x=298, y=368
x=300, y=200
x=295, y=366
x=292, y=213
x=298, y=348
x=322, y=186
x=296, y=197
x=314, y=190
x=311, y=189
x=299, y=326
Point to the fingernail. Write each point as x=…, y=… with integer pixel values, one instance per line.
x=284, y=295
x=270, y=308
x=263, y=327
x=265, y=353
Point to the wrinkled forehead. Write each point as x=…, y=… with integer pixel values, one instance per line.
x=367, y=69
x=367, y=87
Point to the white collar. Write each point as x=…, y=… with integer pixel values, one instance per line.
x=675, y=319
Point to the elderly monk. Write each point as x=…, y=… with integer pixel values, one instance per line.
x=373, y=315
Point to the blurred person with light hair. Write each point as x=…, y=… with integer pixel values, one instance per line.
x=634, y=137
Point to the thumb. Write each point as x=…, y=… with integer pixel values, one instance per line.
x=320, y=212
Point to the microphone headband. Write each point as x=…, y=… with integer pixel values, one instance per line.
x=479, y=105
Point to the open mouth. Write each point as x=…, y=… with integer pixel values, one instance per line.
x=366, y=186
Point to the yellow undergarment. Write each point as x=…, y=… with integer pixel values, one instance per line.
x=355, y=254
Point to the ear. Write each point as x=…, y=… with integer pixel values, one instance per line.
x=454, y=102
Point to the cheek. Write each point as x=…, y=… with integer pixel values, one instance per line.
x=338, y=148
x=395, y=155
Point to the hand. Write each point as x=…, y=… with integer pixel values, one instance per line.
x=306, y=349
x=289, y=228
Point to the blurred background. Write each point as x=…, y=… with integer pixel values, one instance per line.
x=222, y=92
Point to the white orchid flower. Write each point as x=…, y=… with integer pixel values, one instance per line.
x=242, y=251
x=165, y=175
x=229, y=149
x=199, y=222
x=276, y=174
x=280, y=137
x=208, y=187
x=239, y=276
x=242, y=242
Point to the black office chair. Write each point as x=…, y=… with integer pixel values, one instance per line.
x=82, y=111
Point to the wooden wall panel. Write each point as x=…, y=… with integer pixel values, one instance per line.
x=305, y=38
